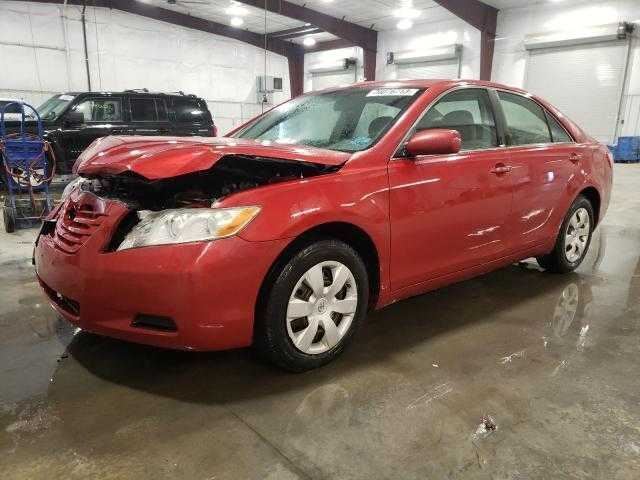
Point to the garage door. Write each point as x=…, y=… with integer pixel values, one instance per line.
x=584, y=81
x=437, y=69
x=340, y=78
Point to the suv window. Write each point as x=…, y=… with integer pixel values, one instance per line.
x=143, y=110
x=469, y=112
x=188, y=110
x=526, y=121
x=100, y=109
x=558, y=133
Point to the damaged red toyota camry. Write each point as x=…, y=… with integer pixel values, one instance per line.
x=285, y=233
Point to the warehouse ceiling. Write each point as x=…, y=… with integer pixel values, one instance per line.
x=379, y=15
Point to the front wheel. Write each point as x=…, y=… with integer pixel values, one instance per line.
x=573, y=239
x=316, y=303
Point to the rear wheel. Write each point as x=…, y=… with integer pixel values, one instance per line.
x=317, y=302
x=573, y=239
x=9, y=215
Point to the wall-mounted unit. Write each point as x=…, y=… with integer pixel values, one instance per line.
x=335, y=66
x=269, y=84
x=441, y=62
x=579, y=36
x=338, y=73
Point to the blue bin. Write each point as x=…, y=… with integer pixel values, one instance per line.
x=626, y=150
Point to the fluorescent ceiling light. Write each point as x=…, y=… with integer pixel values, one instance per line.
x=404, y=24
x=236, y=10
x=309, y=41
x=236, y=22
x=406, y=12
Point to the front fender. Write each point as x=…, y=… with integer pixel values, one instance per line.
x=289, y=209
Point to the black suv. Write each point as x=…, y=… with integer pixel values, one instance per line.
x=73, y=120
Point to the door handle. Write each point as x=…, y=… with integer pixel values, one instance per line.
x=501, y=169
x=575, y=157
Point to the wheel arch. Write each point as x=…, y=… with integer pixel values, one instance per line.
x=591, y=193
x=351, y=234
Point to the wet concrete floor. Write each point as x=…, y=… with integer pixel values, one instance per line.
x=515, y=375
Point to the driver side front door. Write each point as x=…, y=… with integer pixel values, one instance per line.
x=449, y=212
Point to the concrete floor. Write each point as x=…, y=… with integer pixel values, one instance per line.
x=552, y=360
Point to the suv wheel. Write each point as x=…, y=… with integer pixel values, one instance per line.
x=318, y=300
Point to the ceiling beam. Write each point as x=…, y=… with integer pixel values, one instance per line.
x=483, y=17
x=295, y=32
x=358, y=35
x=330, y=45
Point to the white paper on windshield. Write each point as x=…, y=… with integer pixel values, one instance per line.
x=66, y=98
x=392, y=92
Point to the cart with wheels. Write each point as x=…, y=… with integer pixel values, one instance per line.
x=26, y=170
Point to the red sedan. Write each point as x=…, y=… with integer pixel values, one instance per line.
x=286, y=232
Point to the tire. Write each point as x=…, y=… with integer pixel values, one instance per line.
x=567, y=257
x=9, y=219
x=303, y=343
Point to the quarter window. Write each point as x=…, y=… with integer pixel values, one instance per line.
x=100, y=110
x=469, y=112
x=558, y=134
x=526, y=121
x=188, y=110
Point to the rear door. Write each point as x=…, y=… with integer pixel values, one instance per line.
x=149, y=116
x=544, y=158
x=448, y=212
x=190, y=117
x=103, y=116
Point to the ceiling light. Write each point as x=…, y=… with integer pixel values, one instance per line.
x=236, y=10
x=404, y=24
x=406, y=12
x=309, y=41
x=236, y=22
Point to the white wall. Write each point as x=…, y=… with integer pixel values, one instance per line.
x=41, y=53
x=510, y=57
x=428, y=36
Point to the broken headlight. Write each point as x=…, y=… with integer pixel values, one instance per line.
x=187, y=225
x=71, y=186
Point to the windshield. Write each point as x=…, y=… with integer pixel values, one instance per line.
x=53, y=107
x=345, y=120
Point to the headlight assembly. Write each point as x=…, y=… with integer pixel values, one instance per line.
x=187, y=225
x=71, y=186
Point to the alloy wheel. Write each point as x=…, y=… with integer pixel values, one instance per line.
x=322, y=307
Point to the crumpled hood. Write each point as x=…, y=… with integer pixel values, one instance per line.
x=165, y=157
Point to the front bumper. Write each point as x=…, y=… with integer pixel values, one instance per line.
x=208, y=289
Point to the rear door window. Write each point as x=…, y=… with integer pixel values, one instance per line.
x=558, y=133
x=526, y=121
x=143, y=109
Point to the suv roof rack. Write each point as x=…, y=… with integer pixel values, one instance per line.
x=137, y=90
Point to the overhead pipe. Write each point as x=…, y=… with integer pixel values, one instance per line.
x=84, y=37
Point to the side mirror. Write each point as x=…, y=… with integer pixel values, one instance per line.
x=435, y=141
x=73, y=119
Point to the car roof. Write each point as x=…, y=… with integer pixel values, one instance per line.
x=429, y=83
x=136, y=92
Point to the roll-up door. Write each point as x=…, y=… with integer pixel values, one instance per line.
x=584, y=81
